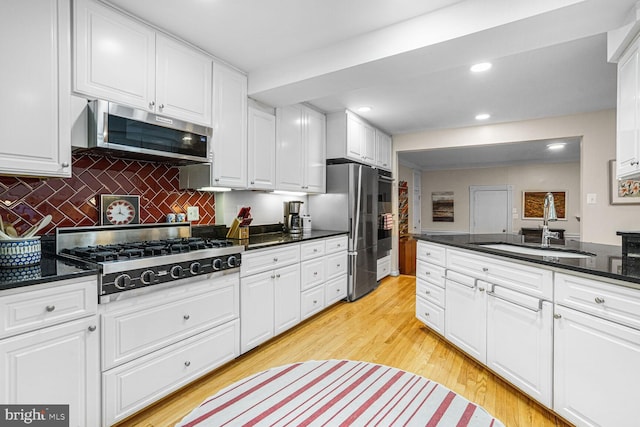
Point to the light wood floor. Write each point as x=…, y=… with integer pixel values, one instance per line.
x=379, y=328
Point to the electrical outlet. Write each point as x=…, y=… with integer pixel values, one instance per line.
x=193, y=213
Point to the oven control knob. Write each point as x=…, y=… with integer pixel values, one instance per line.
x=176, y=271
x=195, y=268
x=231, y=261
x=217, y=264
x=148, y=277
x=123, y=281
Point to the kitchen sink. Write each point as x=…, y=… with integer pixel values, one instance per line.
x=545, y=252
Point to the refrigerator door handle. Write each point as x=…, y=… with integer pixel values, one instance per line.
x=350, y=268
x=357, y=215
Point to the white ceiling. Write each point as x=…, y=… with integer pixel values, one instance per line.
x=409, y=59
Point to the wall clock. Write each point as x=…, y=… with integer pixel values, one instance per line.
x=119, y=210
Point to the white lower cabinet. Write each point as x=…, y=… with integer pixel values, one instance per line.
x=466, y=316
x=520, y=341
x=270, y=304
x=55, y=365
x=153, y=344
x=430, y=314
x=132, y=386
x=312, y=301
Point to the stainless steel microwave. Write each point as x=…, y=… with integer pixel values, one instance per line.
x=138, y=134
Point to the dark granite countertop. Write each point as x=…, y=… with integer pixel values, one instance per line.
x=265, y=240
x=50, y=269
x=604, y=260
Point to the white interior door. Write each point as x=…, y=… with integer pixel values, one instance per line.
x=490, y=209
x=416, y=203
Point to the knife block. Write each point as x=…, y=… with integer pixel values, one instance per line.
x=236, y=231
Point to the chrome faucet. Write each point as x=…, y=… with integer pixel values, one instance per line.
x=549, y=214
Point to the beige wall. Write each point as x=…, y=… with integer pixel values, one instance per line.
x=600, y=221
x=541, y=177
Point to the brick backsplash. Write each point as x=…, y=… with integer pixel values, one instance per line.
x=74, y=201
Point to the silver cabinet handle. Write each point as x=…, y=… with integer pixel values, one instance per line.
x=315, y=250
x=599, y=300
x=161, y=106
x=426, y=314
x=187, y=363
x=427, y=273
x=65, y=164
x=428, y=254
x=273, y=276
x=278, y=275
x=152, y=104
x=337, y=291
x=475, y=283
x=485, y=269
x=275, y=259
x=315, y=273
x=493, y=294
x=50, y=308
x=315, y=301
x=253, y=182
x=92, y=328
x=481, y=289
x=557, y=316
x=635, y=163
x=186, y=317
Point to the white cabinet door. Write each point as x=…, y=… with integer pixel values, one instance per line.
x=55, y=365
x=369, y=145
x=596, y=373
x=289, y=148
x=383, y=150
x=261, y=150
x=115, y=56
x=286, y=298
x=355, y=138
x=315, y=151
x=520, y=342
x=466, y=318
x=628, y=112
x=229, y=127
x=256, y=309
x=36, y=88
x=183, y=82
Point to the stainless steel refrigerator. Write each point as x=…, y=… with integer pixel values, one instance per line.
x=350, y=204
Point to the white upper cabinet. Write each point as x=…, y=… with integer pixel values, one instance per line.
x=36, y=87
x=300, y=149
x=120, y=59
x=229, y=127
x=262, y=149
x=383, y=150
x=350, y=137
x=628, y=115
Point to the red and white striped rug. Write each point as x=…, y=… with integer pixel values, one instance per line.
x=337, y=393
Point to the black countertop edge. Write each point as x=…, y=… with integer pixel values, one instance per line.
x=51, y=268
x=605, y=261
x=267, y=240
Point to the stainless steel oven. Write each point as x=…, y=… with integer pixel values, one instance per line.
x=385, y=217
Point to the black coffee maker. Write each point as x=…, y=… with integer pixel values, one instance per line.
x=292, y=218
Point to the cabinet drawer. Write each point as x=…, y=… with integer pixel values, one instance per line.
x=336, y=264
x=430, y=292
x=311, y=301
x=534, y=281
x=430, y=272
x=431, y=252
x=336, y=244
x=430, y=314
x=612, y=302
x=335, y=290
x=268, y=259
x=312, y=249
x=384, y=267
x=312, y=273
x=30, y=310
x=132, y=386
x=132, y=333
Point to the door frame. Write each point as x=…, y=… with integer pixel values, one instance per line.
x=475, y=188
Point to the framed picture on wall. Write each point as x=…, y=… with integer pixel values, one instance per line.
x=622, y=191
x=533, y=204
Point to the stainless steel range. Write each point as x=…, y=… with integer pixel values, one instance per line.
x=136, y=259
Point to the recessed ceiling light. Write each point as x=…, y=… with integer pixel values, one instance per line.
x=480, y=67
x=483, y=116
x=556, y=145
x=364, y=109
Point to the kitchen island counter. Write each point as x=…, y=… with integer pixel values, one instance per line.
x=604, y=260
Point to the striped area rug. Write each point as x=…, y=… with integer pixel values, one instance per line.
x=337, y=393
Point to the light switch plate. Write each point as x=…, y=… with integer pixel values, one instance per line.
x=193, y=213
